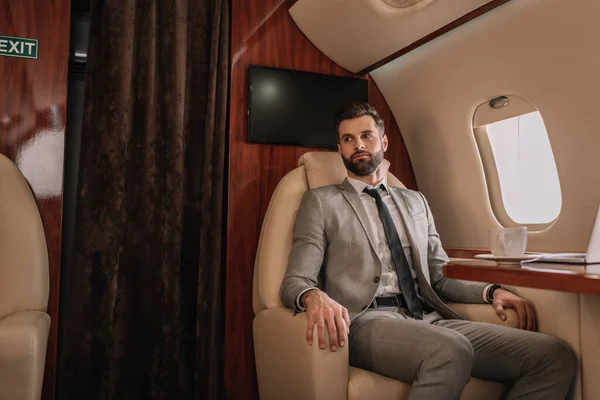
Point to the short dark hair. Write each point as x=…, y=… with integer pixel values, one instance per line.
x=357, y=109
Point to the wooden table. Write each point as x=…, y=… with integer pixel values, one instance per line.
x=583, y=279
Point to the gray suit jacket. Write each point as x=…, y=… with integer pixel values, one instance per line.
x=333, y=244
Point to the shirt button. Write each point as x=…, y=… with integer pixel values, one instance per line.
x=376, y=279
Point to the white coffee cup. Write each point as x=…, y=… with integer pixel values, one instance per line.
x=508, y=242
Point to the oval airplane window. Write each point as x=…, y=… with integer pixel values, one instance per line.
x=518, y=161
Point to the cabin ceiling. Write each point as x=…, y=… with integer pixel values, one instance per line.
x=357, y=34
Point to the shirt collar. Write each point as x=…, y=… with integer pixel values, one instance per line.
x=359, y=185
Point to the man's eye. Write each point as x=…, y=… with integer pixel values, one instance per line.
x=368, y=135
x=347, y=139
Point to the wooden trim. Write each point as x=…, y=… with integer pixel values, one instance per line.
x=454, y=252
x=433, y=35
x=290, y=3
x=541, y=276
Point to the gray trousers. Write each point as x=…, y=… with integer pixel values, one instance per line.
x=439, y=357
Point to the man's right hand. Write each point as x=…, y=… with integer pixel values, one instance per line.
x=322, y=310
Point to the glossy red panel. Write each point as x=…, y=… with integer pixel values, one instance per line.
x=33, y=98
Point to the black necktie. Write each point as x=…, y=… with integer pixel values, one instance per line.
x=405, y=279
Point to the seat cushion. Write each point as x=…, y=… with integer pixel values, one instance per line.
x=479, y=389
x=23, y=343
x=363, y=385
x=366, y=385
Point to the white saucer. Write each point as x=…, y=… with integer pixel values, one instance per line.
x=508, y=260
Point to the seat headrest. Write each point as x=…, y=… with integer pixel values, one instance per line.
x=24, y=275
x=326, y=168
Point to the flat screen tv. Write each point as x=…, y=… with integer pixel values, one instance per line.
x=296, y=107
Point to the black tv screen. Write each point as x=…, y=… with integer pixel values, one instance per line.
x=296, y=107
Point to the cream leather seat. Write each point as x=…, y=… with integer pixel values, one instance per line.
x=24, y=323
x=287, y=367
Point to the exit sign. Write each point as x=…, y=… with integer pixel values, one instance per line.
x=18, y=47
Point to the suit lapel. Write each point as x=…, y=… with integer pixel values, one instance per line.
x=353, y=198
x=409, y=227
x=420, y=259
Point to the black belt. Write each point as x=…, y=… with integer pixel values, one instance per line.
x=391, y=301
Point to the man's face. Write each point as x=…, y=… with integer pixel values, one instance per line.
x=361, y=146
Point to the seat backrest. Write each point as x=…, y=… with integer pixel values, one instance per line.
x=314, y=169
x=23, y=252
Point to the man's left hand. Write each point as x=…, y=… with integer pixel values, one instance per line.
x=504, y=299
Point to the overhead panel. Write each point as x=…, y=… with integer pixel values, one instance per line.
x=359, y=33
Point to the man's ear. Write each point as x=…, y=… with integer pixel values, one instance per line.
x=384, y=143
x=339, y=149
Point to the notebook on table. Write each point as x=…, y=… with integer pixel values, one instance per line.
x=592, y=256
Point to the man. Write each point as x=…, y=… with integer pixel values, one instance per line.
x=379, y=257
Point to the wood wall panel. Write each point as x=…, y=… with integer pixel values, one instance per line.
x=559, y=277
x=464, y=252
x=33, y=98
x=263, y=33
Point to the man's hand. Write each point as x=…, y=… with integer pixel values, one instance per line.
x=505, y=299
x=322, y=310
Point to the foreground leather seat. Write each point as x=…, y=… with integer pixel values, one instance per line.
x=287, y=367
x=24, y=323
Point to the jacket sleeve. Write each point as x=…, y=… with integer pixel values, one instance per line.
x=448, y=289
x=308, y=251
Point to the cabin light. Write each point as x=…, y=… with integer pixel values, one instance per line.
x=5, y=120
x=401, y=3
x=499, y=102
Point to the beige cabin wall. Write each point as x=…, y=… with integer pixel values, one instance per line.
x=543, y=50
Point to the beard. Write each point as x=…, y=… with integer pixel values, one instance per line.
x=362, y=166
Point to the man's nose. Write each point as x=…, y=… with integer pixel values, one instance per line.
x=360, y=145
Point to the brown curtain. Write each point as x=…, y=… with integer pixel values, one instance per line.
x=143, y=308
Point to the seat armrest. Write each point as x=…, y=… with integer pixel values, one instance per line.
x=485, y=313
x=23, y=341
x=288, y=367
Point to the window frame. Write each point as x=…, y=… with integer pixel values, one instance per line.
x=483, y=116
